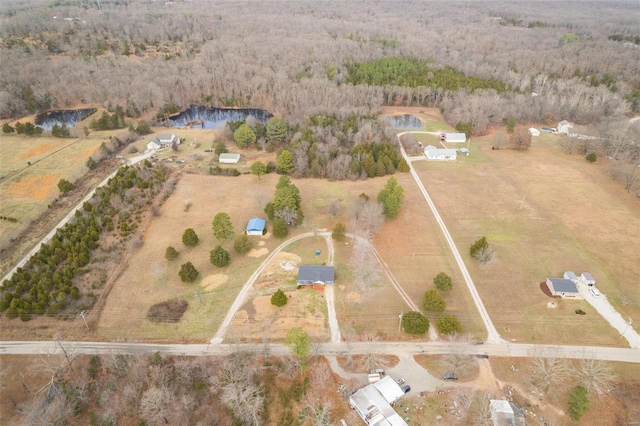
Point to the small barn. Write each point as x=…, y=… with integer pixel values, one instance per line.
x=256, y=226
x=440, y=154
x=564, y=127
x=311, y=274
x=229, y=158
x=569, y=275
x=564, y=288
x=453, y=137
x=534, y=131
x=588, y=279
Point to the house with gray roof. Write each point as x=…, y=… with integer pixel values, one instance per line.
x=311, y=274
x=564, y=288
x=505, y=413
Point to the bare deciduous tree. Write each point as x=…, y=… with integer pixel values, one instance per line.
x=365, y=269
x=596, y=376
x=548, y=372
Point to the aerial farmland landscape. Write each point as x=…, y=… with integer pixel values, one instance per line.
x=319, y=213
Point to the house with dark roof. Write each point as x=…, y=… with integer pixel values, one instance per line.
x=564, y=288
x=311, y=274
x=256, y=226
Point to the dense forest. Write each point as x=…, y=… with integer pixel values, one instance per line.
x=560, y=60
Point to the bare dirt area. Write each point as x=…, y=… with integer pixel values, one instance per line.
x=566, y=210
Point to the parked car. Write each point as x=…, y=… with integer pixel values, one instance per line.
x=400, y=381
x=208, y=150
x=379, y=371
x=450, y=376
x=406, y=388
x=594, y=291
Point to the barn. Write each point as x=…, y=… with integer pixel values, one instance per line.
x=453, y=137
x=564, y=288
x=311, y=274
x=256, y=226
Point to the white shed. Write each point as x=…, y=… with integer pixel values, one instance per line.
x=153, y=145
x=453, y=137
x=534, y=131
x=588, y=279
x=440, y=154
x=228, y=158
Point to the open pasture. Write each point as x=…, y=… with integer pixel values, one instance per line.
x=544, y=213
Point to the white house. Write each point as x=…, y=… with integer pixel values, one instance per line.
x=442, y=154
x=564, y=127
x=228, y=158
x=165, y=140
x=504, y=412
x=373, y=403
x=256, y=226
x=588, y=279
x=453, y=137
x=534, y=131
x=153, y=145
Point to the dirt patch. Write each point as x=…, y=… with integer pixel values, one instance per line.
x=36, y=187
x=212, y=281
x=258, y=252
x=169, y=311
x=282, y=258
x=39, y=150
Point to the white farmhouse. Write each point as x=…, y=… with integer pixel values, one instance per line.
x=442, y=154
x=564, y=127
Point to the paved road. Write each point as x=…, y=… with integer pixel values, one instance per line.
x=613, y=317
x=401, y=349
x=68, y=217
x=492, y=334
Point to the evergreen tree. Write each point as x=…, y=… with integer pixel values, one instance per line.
x=338, y=233
x=415, y=323
x=284, y=164
x=442, y=282
x=280, y=229
x=219, y=257
x=65, y=186
x=222, y=226
x=448, y=324
x=391, y=198
x=6, y=128
x=433, y=301
x=242, y=244
x=279, y=298
x=244, y=136
x=276, y=130
x=188, y=273
x=258, y=169
x=190, y=238
x=171, y=253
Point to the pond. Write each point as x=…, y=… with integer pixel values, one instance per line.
x=69, y=117
x=215, y=118
x=405, y=122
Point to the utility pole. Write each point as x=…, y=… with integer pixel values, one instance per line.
x=522, y=202
x=400, y=321
x=84, y=319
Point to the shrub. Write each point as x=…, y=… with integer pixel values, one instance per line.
x=415, y=323
x=592, y=158
x=338, y=233
x=433, y=301
x=279, y=298
x=171, y=254
x=478, y=245
x=220, y=148
x=222, y=226
x=242, y=244
x=168, y=311
x=219, y=257
x=65, y=186
x=448, y=324
x=189, y=238
x=442, y=282
x=143, y=128
x=280, y=229
x=6, y=128
x=91, y=163
x=578, y=402
x=188, y=273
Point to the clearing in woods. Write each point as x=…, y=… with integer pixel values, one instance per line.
x=544, y=212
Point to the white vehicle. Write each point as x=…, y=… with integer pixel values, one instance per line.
x=594, y=291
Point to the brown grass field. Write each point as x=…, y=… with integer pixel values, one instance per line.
x=27, y=190
x=543, y=212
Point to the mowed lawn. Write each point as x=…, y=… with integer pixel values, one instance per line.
x=544, y=212
x=27, y=190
